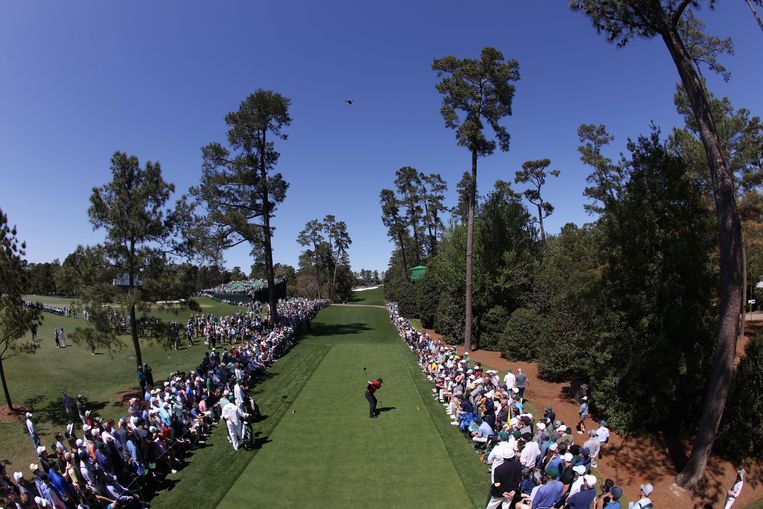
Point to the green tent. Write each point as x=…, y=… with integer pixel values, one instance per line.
x=418, y=272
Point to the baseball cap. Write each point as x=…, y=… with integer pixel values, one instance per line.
x=508, y=453
x=590, y=480
x=647, y=489
x=40, y=449
x=567, y=457
x=616, y=492
x=579, y=469
x=541, y=426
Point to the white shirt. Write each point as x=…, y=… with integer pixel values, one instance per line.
x=603, y=434
x=529, y=454
x=496, y=457
x=510, y=380
x=577, y=483
x=641, y=503
x=238, y=393
x=232, y=414
x=30, y=427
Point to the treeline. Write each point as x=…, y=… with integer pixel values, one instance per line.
x=60, y=279
x=627, y=303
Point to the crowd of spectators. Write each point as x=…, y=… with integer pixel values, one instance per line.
x=534, y=460
x=67, y=311
x=107, y=463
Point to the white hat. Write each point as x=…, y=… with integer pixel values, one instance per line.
x=585, y=398
x=647, y=489
x=40, y=501
x=562, y=428
x=40, y=449
x=590, y=480
x=79, y=442
x=34, y=467
x=28, y=415
x=567, y=457
x=515, y=390
x=17, y=476
x=85, y=428
x=508, y=453
x=579, y=469
x=553, y=446
x=541, y=426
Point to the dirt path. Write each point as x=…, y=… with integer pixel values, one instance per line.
x=633, y=461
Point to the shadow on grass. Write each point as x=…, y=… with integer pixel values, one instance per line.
x=322, y=329
x=54, y=411
x=385, y=409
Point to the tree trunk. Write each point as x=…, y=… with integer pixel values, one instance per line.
x=266, y=235
x=5, y=387
x=336, y=266
x=134, y=334
x=415, y=227
x=402, y=252
x=317, y=267
x=744, y=291
x=133, y=318
x=469, y=255
x=730, y=239
x=755, y=13
x=540, y=222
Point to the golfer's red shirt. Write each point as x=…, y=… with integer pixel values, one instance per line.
x=373, y=386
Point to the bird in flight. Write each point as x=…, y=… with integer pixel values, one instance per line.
x=348, y=101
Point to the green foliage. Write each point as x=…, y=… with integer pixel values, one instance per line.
x=490, y=326
x=239, y=186
x=397, y=288
x=15, y=318
x=427, y=300
x=477, y=90
x=506, y=252
x=43, y=278
x=534, y=173
x=520, y=337
x=140, y=229
x=741, y=432
x=659, y=284
x=449, y=318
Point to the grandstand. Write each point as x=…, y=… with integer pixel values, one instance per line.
x=245, y=291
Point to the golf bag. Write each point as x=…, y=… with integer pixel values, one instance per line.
x=247, y=439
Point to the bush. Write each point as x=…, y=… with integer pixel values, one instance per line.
x=491, y=326
x=427, y=299
x=450, y=319
x=406, y=300
x=521, y=335
x=741, y=433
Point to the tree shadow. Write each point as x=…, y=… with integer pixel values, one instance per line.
x=323, y=329
x=53, y=411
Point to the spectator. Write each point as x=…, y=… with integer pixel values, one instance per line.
x=736, y=489
x=644, y=502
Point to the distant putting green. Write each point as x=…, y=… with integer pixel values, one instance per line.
x=318, y=448
x=373, y=297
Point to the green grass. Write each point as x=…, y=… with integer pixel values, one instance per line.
x=38, y=381
x=318, y=448
x=373, y=297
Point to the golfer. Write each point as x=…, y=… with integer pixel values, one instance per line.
x=373, y=386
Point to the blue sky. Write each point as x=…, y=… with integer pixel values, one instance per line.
x=82, y=79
